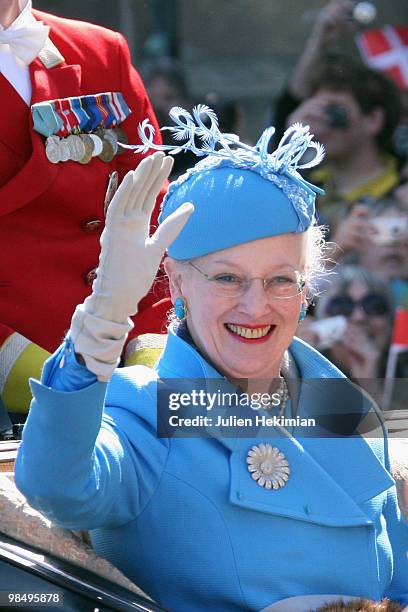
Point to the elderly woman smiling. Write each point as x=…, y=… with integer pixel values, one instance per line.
x=217, y=521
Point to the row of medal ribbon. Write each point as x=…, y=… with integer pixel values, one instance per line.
x=84, y=114
x=82, y=148
x=82, y=127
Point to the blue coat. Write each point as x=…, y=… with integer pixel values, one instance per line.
x=184, y=519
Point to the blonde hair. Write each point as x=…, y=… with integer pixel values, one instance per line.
x=317, y=268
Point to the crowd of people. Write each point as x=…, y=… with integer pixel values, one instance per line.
x=199, y=521
x=355, y=112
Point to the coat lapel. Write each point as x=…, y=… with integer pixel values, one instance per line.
x=333, y=471
x=14, y=134
x=38, y=173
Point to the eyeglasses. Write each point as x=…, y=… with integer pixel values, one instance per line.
x=373, y=304
x=283, y=285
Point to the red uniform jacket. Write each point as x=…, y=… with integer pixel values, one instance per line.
x=51, y=215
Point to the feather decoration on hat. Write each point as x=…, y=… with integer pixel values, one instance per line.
x=200, y=130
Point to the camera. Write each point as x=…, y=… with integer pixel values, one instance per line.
x=337, y=116
x=389, y=229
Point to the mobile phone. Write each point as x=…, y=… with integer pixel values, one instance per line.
x=329, y=331
x=389, y=229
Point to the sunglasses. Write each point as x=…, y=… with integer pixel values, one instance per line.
x=373, y=304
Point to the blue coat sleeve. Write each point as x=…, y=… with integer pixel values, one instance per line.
x=76, y=464
x=63, y=372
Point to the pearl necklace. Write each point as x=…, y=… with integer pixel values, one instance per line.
x=283, y=393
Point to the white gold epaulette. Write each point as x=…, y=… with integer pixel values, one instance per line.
x=49, y=55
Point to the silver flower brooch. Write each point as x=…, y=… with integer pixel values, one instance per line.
x=268, y=466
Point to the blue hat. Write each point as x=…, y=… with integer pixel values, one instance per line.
x=240, y=193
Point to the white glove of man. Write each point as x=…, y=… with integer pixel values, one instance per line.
x=128, y=264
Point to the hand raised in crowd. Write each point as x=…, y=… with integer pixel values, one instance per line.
x=333, y=20
x=353, y=231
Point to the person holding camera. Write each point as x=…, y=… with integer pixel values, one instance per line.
x=332, y=21
x=386, y=252
x=351, y=232
x=353, y=322
x=375, y=236
x=353, y=110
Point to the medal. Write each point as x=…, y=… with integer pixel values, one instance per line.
x=111, y=136
x=97, y=145
x=120, y=135
x=88, y=147
x=107, y=152
x=76, y=147
x=64, y=152
x=107, y=149
x=82, y=127
x=52, y=149
x=121, y=138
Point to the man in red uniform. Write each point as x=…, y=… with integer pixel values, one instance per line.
x=52, y=214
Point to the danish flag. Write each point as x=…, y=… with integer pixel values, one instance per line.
x=387, y=49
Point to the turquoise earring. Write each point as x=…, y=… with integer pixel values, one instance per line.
x=180, y=308
x=302, y=313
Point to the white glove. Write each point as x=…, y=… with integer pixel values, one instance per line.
x=128, y=265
